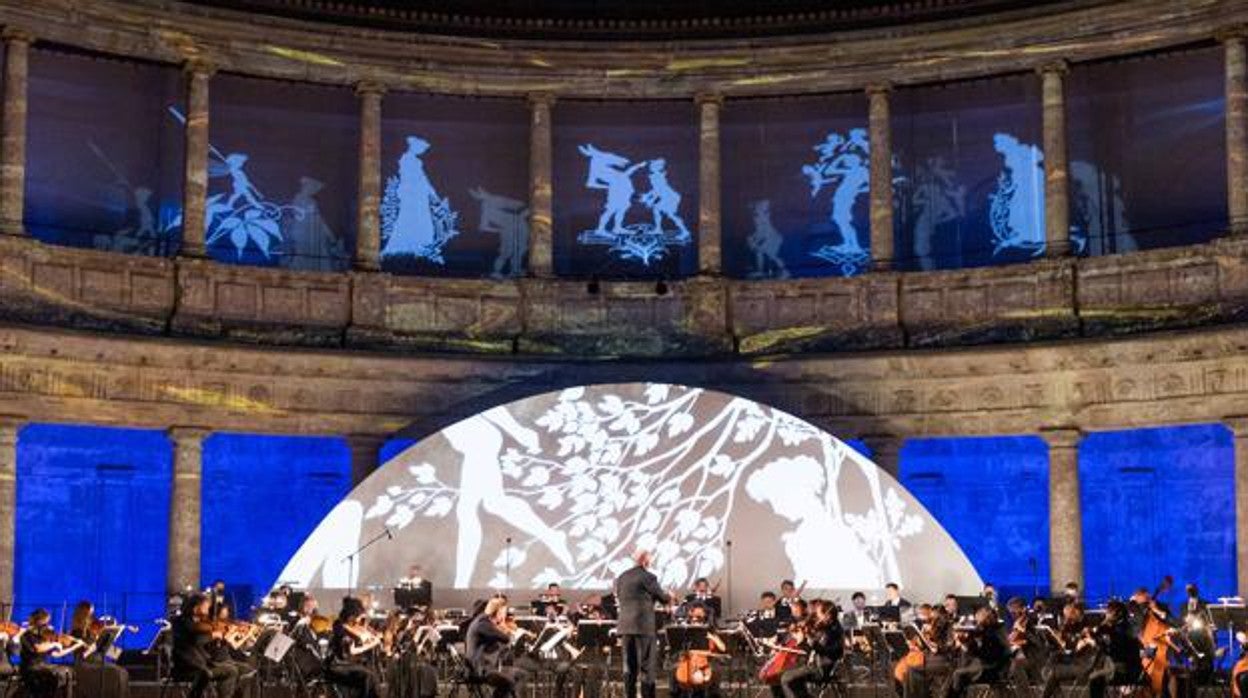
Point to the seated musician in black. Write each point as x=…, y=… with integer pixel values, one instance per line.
x=96, y=676
x=702, y=683
x=984, y=654
x=350, y=645
x=825, y=639
x=192, y=633
x=1074, y=651
x=39, y=643
x=1028, y=649
x=486, y=644
x=1120, y=663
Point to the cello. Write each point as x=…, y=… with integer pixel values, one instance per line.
x=785, y=656
x=693, y=668
x=1155, y=636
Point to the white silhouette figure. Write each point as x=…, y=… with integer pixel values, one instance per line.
x=663, y=200
x=765, y=241
x=413, y=232
x=855, y=180
x=613, y=173
x=1017, y=216
x=480, y=441
x=310, y=243
x=240, y=184
x=792, y=487
x=509, y=219
x=938, y=200
x=326, y=551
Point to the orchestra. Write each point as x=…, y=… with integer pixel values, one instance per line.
x=790, y=645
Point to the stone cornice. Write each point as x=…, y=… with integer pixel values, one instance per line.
x=167, y=30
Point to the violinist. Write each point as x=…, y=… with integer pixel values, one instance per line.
x=825, y=639
x=550, y=603
x=693, y=676
x=936, y=642
x=1199, y=627
x=92, y=674
x=703, y=594
x=984, y=653
x=1074, y=653
x=350, y=644
x=228, y=649
x=10, y=635
x=1028, y=651
x=306, y=654
x=39, y=643
x=193, y=632
x=487, y=643
x=1119, y=664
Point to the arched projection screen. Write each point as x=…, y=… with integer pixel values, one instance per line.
x=562, y=487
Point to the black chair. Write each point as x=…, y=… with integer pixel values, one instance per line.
x=463, y=675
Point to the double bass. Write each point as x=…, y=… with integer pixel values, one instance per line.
x=1155, y=635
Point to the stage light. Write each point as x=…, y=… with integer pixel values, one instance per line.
x=661, y=288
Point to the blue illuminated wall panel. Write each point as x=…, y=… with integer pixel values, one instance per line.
x=1157, y=502
x=991, y=495
x=262, y=496
x=92, y=519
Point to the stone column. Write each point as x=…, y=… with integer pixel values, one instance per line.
x=881, y=140
x=1239, y=428
x=1236, y=132
x=1065, y=513
x=8, y=506
x=1056, y=172
x=541, y=213
x=184, y=512
x=365, y=455
x=710, y=238
x=13, y=147
x=368, y=217
x=886, y=452
x=195, y=175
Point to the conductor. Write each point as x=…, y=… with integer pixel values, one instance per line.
x=636, y=591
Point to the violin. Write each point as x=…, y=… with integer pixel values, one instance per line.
x=10, y=629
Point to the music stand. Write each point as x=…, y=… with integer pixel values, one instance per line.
x=968, y=605
x=887, y=614
x=686, y=637
x=414, y=596
x=449, y=634
x=595, y=634
x=1229, y=617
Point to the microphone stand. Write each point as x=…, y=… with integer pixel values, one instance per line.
x=507, y=564
x=350, y=559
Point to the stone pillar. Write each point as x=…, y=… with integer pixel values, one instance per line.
x=1056, y=171
x=879, y=123
x=368, y=216
x=365, y=455
x=1239, y=428
x=184, y=512
x=13, y=147
x=710, y=237
x=541, y=213
x=886, y=452
x=1065, y=513
x=8, y=507
x=1236, y=132
x=195, y=175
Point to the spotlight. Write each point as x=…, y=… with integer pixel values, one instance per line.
x=661, y=288
x=593, y=287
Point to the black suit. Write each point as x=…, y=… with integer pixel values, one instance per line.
x=636, y=591
x=486, y=645
x=192, y=661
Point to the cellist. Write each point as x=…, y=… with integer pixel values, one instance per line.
x=693, y=675
x=1075, y=650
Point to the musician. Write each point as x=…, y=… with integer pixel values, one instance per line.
x=550, y=603
x=222, y=652
x=950, y=605
x=636, y=592
x=40, y=643
x=856, y=617
x=192, y=633
x=989, y=595
x=1198, y=624
x=218, y=597
x=935, y=641
x=825, y=639
x=893, y=597
x=487, y=643
x=416, y=580
x=91, y=672
x=10, y=636
x=307, y=655
x=1070, y=594
x=1239, y=672
x=350, y=643
x=788, y=594
x=1120, y=650
x=1074, y=651
x=704, y=595
x=1028, y=650
x=984, y=654
x=762, y=621
x=705, y=684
